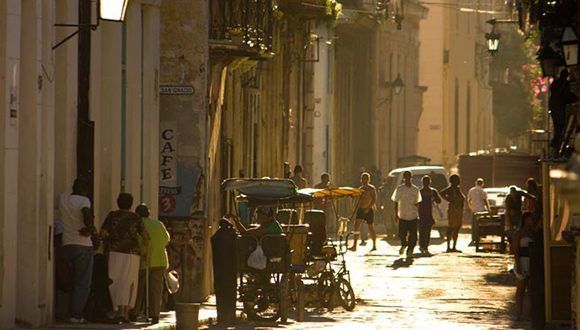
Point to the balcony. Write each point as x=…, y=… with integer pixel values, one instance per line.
x=242, y=27
x=312, y=9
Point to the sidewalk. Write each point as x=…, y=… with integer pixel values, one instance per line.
x=207, y=316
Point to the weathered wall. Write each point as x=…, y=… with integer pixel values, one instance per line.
x=183, y=141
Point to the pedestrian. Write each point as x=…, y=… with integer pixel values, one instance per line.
x=365, y=211
x=78, y=233
x=154, y=264
x=560, y=96
x=456, y=199
x=298, y=179
x=287, y=171
x=534, y=205
x=522, y=239
x=320, y=203
x=477, y=202
x=429, y=197
x=407, y=198
x=120, y=231
x=514, y=206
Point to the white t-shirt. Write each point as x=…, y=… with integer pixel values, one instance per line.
x=477, y=196
x=70, y=208
x=407, y=197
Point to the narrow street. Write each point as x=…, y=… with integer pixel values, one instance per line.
x=445, y=291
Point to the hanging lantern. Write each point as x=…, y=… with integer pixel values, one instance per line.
x=113, y=10
x=398, y=84
x=492, y=41
x=569, y=44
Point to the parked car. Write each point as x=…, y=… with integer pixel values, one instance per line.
x=439, y=180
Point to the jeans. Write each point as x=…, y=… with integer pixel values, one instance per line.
x=408, y=233
x=424, y=235
x=80, y=259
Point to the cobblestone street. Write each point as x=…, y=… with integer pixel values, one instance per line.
x=445, y=291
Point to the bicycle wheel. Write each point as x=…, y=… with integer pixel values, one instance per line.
x=265, y=306
x=326, y=289
x=345, y=294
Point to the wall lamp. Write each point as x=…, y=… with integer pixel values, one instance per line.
x=109, y=10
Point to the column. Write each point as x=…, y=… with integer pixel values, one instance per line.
x=151, y=30
x=133, y=105
x=65, y=77
x=10, y=64
x=106, y=103
x=32, y=226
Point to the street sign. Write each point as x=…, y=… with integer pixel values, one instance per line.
x=176, y=90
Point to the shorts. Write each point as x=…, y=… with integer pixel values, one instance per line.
x=368, y=217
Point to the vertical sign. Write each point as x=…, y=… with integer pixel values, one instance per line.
x=168, y=188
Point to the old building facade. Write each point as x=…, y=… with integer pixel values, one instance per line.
x=40, y=127
x=454, y=61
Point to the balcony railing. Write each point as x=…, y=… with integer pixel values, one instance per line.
x=245, y=24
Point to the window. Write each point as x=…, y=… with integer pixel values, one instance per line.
x=456, y=118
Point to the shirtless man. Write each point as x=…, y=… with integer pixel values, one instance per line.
x=365, y=211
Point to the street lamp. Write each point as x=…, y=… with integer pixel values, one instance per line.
x=492, y=41
x=397, y=84
x=109, y=10
x=548, y=61
x=113, y=10
x=569, y=44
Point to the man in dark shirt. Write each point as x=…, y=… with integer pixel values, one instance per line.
x=513, y=206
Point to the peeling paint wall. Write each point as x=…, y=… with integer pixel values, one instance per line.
x=183, y=118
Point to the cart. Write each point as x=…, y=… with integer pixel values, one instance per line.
x=486, y=225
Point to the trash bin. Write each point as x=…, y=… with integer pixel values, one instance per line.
x=186, y=316
x=223, y=245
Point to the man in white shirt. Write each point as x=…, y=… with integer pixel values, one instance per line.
x=478, y=202
x=407, y=197
x=78, y=228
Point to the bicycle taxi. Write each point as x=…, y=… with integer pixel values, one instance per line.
x=304, y=267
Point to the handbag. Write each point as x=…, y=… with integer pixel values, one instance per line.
x=257, y=259
x=171, y=279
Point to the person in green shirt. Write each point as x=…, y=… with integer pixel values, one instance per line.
x=268, y=225
x=154, y=260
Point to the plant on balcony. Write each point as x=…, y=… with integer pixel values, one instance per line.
x=333, y=9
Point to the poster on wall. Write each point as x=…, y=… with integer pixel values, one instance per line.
x=177, y=180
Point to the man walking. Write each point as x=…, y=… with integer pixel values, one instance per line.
x=365, y=211
x=407, y=198
x=78, y=228
x=429, y=197
x=477, y=202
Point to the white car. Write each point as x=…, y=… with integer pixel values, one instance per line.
x=439, y=180
x=496, y=197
